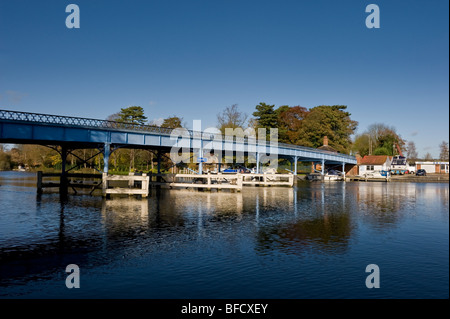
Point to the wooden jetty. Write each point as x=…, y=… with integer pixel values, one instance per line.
x=220, y=180
x=368, y=178
x=141, y=184
x=72, y=180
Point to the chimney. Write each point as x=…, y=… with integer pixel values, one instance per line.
x=325, y=141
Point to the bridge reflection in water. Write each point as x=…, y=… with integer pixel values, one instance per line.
x=260, y=230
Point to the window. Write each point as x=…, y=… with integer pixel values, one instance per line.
x=369, y=167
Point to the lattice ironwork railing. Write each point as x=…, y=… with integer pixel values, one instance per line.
x=78, y=121
x=114, y=125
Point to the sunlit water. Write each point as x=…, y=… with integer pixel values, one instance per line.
x=313, y=241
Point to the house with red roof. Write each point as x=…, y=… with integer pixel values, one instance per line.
x=374, y=163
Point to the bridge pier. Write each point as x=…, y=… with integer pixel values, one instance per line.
x=63, y=182
x=200, y=156
x=106, y=154
x=295, y=166
x=257, y=163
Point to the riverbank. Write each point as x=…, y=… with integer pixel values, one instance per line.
x=430, y=178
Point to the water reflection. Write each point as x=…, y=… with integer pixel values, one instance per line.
x=40, y=235
x=322, y=223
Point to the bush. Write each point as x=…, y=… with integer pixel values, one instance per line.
x=5, y=162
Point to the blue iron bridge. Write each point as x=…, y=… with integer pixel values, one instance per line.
x=71, y=133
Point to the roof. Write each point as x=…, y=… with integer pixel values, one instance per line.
x=327, y=148
x=375, y=159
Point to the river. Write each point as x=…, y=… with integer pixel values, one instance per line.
x=311, y=241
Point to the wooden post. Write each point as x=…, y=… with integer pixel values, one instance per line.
x=130, y=180
x=239, y=182
x=145, y=184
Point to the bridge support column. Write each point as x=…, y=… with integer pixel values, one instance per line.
x=257, y=162
x=158, y=163
x=200, y=158
x=158, y=167
x=295, y=165
x=343, y=171
x=106, y=154
x=63, y=183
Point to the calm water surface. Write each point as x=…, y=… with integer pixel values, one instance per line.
x=313, y=241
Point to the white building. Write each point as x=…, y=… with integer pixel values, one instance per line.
x=374, y=164
x=433, y=167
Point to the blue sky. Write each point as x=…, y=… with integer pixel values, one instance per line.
x=194, y=58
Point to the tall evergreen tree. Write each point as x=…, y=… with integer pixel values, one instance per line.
x=266, y=117
x=132, y=114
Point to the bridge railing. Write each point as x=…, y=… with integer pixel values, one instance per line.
x=78, y=121
x=115, y=125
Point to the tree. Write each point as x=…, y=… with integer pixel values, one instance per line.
x=266, y=117
x=428, y=157
x=386, y=137
x=444, y=154
x=114, y=117
x=331, y=121
x=231, y=117
x=5, y=161
x=172, y=122
x=290, y=121
x=132, y=114
x=362, y=145
x=380, y=138
x=382, y=151
x=411, y=151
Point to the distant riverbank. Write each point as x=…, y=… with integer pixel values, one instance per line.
x=430, y=178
